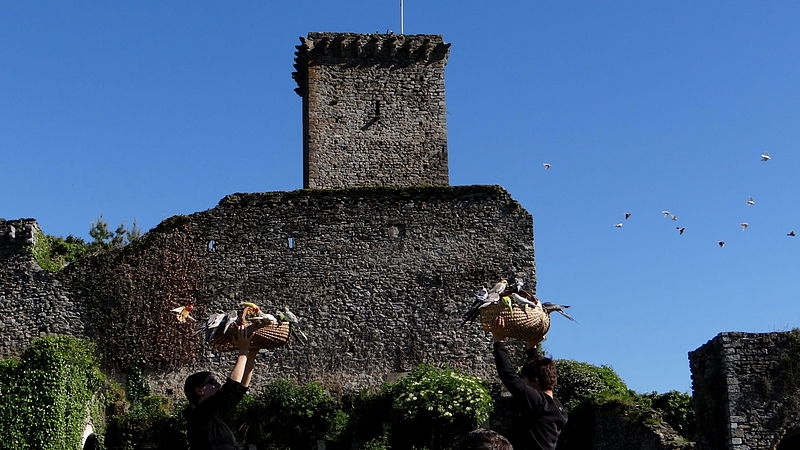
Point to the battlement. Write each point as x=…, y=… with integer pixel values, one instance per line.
x=337, y=48
x=16, y=235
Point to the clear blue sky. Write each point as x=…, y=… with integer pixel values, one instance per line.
x=144, y=110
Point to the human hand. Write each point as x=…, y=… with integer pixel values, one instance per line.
x=497, y=329
x=242, y=339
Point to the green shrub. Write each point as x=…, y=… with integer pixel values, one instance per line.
x=151, y=421
x=578, y=381
x=53, y=253
x=45, y=395
x=677, y=410
x=286, y=416
x=433, y=405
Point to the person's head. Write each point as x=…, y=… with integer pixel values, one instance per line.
x=482, y=439
x=540, y=373
x=199, y=386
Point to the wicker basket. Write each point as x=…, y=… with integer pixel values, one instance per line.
x=264, y=336
x=526, y=323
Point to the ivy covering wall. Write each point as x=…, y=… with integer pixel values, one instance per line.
x=47, y=394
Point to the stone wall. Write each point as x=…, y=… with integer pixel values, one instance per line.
x=746, y=390
x=373, y=110
x=380, y=277
x=33, y=301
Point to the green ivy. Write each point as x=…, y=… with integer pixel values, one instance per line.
x=46, y=395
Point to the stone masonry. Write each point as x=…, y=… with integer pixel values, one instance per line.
x=33, y=301
x=373, y=110
x=380, y=276
x=747, y=390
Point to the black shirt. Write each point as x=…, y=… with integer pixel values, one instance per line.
x=540, y=418
x=206, y=429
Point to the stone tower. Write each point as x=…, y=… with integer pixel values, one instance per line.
x=373, y=110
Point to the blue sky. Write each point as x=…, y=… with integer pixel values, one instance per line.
x=144, y=110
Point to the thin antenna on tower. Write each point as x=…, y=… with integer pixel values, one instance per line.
x=401, y=16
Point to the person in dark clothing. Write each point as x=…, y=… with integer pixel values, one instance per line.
x=541, y=416
x=209, y=401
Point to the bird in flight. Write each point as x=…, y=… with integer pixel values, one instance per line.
x=628, y=216
x=721, y=243
x=744, y=226
x=680, y=229
x=791, y=233
x=665, y=213
x=765, y=157
x=618, y=225
x=751, y=201
x=547, y=166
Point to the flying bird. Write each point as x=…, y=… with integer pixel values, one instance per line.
x=550, y=307
x=680, y=229
x=618, y=225
x=627, y=216
x=744, y=226
x=721, y=243
x=547, y=166
x=665, y=213
x=674, y=217
x=751, y=201
x=765, y=157
x=791, y=233
x=183, y=312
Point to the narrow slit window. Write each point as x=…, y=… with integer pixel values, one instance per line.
x=212, y=246
x=291, y=243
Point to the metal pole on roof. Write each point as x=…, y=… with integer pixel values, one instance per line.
x=401, y=16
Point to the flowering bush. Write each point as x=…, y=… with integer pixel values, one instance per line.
x=443, y=402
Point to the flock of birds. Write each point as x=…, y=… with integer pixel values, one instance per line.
x=509, y=295
x=744, y=225
x=251, y=315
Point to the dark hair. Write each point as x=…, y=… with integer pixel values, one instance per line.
x=195, y=380
x=483, y=439
x=541, y=370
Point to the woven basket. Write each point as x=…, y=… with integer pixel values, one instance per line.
x=526, y=323
x=264, y=336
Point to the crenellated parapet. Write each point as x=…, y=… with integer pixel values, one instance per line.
x=17, y=235
x=365, y=49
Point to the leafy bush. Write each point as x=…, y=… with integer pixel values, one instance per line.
x=151, y=421
x=677, y=410
x=286, y=416
x=436, y=405
x=53, y=253
x=44, y=395
x=578, y=381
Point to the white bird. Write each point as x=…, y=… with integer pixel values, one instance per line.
x=744, y=226
x=499, y=287
x=765, y=157
x=618, y=225
x=524, y=301
x=674, y=217
x=665, y=213
x=547, y=166
x=518, y=283
x=751, y=201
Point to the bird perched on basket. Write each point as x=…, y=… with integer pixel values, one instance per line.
x=288, y=316
x=550, y=307
x=499, y=287
x=482, y=299
x=183, y=312
x=524, y=301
